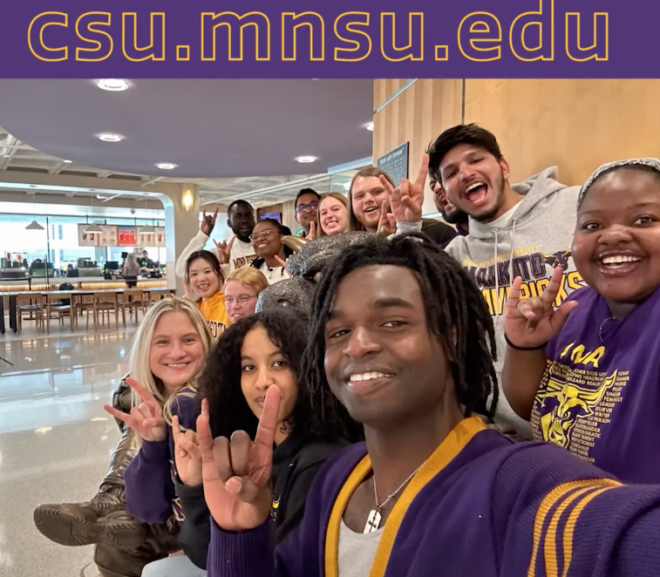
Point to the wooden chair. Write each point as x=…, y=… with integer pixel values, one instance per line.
x=133, y=300
x=54, y=304
x=103, y=302
x=32, y=305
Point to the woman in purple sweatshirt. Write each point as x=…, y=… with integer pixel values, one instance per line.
x=402, y=338
x=587, y=374
x=169, y=351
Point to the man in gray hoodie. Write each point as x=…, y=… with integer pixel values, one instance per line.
x=524, y=229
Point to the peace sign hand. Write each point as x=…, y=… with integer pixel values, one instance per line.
x=282, y=263
x=208, y=223
x=237, y=473
x=532, y=322
x=146, y=419
x=407, y=200
x=223, y=250
x=187, y=456
x=387, y=221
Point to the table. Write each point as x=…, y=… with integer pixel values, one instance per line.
x=13, y=299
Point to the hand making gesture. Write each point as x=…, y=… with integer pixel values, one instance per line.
x=237, y=472
x=223, y=249
x=530, y=323
x=387, y=221
x=312, y=231
x=208, y=222
x=187, y=457
x=407, y=199
x=282, y=263
x=146, y=419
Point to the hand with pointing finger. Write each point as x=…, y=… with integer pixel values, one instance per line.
x=146, y=420
x=187, y=457
x=223, y=249
x=237, y=472
x=311, y=235
x=208, y=223
x=407, y=199
x=530, y=323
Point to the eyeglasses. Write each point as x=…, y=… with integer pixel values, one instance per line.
x=262, y=234
x=240, y=300
x=305, y=207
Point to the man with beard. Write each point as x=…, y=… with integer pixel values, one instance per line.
x=515, y=230
x=234, y=254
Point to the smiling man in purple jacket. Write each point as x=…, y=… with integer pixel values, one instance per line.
x=403, y=341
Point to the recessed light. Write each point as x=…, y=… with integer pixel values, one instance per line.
x=369, y=126
x=113, y=84
x=166, y=166
x=66, y=161
x=110, y=137
x=306, y=159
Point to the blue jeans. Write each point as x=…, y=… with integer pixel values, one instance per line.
x=173, y=566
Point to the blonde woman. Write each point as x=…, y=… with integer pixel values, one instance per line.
x=333, y=214
x=169, y=351
x=241, y=291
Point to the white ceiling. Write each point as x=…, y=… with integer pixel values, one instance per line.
x=240, y=136
x=17, y=156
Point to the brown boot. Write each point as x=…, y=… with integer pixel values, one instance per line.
x=105, y=519
x=112, y=562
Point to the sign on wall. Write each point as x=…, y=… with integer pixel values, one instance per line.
x=87, y=238
x=126, y=236
x=395, y=163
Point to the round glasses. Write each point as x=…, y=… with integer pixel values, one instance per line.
x=239, y=301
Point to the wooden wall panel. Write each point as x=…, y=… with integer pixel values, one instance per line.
x=417, y=115
x=573, y=124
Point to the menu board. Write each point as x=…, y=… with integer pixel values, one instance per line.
x=109, y=235
x=395, y=163
x=126, y=236
x=151, y=239
x=87, y=238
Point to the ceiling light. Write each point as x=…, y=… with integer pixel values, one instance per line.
x=93, y=228
x=369, y=126
x=306, y=159
x=34, y=225
x=166, y=166
x=67, y=161
x=112, y=84
x=110, y=137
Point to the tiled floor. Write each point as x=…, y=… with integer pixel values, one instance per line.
x=55, y=438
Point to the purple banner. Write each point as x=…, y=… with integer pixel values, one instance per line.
x=340, y=39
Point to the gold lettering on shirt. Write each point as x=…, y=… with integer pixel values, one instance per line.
x=216, y=328
x=244, y=260
x=574, y=403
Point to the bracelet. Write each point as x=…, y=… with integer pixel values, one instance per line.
x=508, y=342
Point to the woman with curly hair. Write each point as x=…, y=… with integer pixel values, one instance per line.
x=257, y=352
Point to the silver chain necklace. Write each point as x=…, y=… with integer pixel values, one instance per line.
x=374, y=518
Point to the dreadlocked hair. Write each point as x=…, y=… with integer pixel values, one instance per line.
x=456, y=313
x=220, y=381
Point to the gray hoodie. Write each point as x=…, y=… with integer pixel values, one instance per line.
x=536, y=239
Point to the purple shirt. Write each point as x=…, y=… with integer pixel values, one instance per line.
x=498, y=508
x=600, y=393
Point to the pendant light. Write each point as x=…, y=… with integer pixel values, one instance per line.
x=93, y=227
x=34, y=225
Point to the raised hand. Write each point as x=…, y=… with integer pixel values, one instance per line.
x=208, y=223
x=407, y=199
x=532, y=322
x=237, y=473
x=282, y=263
x=312, y=231
x=223, y=249
x=187, y=457
x=387, y=221
x=146, y=420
